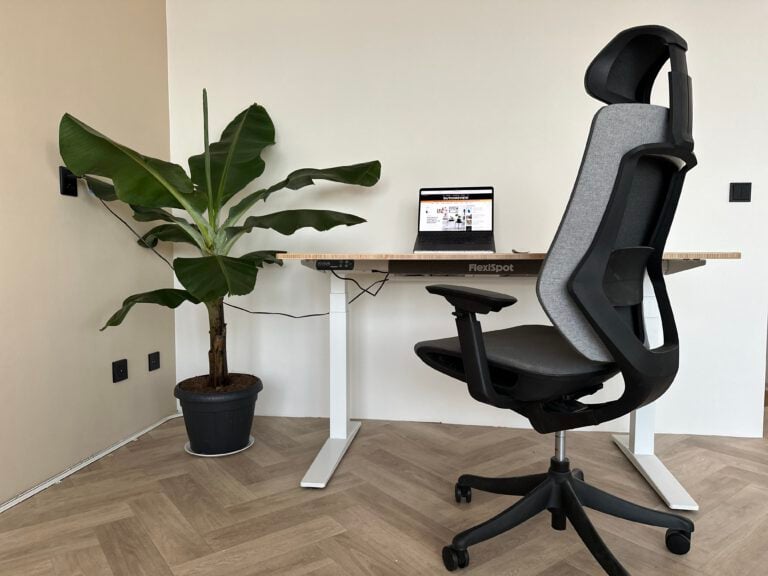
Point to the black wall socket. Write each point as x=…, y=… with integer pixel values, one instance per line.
x=119, y=370
x=153, y=360
x=67, y=182
x=740, y=192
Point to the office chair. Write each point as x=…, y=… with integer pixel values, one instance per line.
x=611, y=236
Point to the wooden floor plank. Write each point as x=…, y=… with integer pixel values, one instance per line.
x=42, y=552
x=403, y=554
x=195, y=502
x=299, y=562
x=129, y=549
x=279, y=519
x=170, y=532
x=241, y=559
x=85, y=562
x=29, y=567
x=51, y=533
x=562, y=569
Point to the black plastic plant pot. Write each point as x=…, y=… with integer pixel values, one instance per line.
x=219, y=422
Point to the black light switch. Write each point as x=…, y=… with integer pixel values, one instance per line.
x=153, y=361
x=741, y=192
x=119, y=370
x=67, y=182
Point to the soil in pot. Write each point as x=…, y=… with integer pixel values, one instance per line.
x=236, y=382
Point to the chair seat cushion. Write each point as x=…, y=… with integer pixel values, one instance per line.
x=549, y=365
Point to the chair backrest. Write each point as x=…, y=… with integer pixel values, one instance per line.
x=615, y=131
x=616, y=223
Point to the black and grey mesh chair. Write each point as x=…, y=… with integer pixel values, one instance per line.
x=591, y=286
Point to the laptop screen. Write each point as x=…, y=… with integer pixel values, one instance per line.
x=456, y=209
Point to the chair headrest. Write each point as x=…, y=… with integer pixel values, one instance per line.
x=625, y=70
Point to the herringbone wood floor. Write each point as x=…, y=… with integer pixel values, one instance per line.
x=150, y=509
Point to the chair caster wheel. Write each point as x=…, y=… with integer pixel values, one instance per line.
x=678, y=541
x=454, y=558
x=578, y=473
x=463, y=492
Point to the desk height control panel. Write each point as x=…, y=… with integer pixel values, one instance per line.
x=334, y=264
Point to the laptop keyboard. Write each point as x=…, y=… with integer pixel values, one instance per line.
x=454, y=245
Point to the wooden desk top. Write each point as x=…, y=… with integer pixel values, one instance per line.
x=386, y=256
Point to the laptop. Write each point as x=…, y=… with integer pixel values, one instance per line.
x=455, y=220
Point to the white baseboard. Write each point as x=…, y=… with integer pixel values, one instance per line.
x=79, y=466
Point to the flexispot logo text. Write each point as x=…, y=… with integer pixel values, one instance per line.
x=491, y=268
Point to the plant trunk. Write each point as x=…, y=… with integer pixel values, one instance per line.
x=217, y=355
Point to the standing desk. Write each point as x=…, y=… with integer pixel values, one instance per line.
x=637, y=446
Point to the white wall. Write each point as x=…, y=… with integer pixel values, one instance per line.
x=466, y=93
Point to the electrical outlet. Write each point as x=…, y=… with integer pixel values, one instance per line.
x=67, y=182
x=153, y=361
x=740, y=192
x=119, y=370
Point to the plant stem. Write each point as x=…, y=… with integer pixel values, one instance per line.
x=217, y=355
x=207, y=151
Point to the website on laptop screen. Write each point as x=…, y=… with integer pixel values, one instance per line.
x=448, y=210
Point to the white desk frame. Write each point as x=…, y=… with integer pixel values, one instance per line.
x=343, y=430
x=637, y=446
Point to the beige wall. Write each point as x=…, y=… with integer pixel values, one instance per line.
x=67, y=264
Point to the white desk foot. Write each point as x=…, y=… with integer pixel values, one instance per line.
x=326, y=461
x=657, y=475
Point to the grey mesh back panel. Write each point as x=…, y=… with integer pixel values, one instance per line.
x=616, y=129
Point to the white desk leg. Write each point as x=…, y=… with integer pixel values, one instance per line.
x=637, y=446
x=343, y=430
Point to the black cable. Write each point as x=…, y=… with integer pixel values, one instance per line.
x=294, y=316
x=276, y=313
x=356, y=283
x=362, y=291
x=116, y=215
x=367, y=290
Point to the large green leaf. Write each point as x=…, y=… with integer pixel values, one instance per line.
x=261, y=257
x=212, y=277
x=169, y=297
x=288, y=221
x=236, y=157
x=142, y=214
x=166, y=233
x=365, y=174
x=102, y=190
x=137, y=179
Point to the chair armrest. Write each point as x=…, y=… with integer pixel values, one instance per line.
x=472, y=299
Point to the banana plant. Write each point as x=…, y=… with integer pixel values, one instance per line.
x=152, y=187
